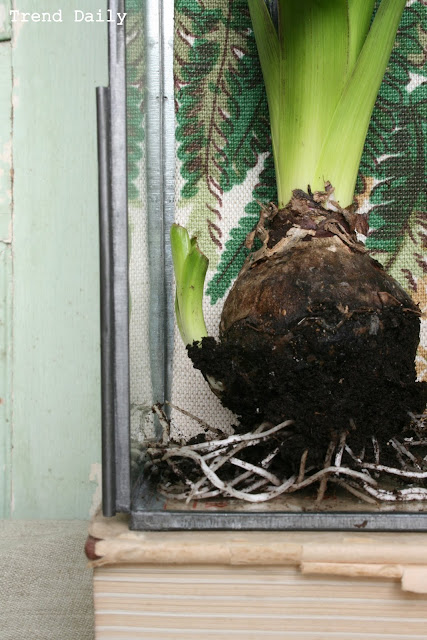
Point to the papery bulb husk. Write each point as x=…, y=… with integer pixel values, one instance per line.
x=315, y=330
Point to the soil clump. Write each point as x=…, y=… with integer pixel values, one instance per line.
x=316, y=331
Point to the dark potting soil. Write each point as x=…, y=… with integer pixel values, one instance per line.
x=330, y=372
x=315, y=331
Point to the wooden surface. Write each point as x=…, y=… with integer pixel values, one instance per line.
x=309, y=585
x=223, y=602
x=49, y=296
x=356, y=554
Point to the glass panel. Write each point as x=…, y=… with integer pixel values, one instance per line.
x=207, y=166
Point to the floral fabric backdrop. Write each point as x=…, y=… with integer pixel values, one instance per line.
x=224, y=166
x=141, y=393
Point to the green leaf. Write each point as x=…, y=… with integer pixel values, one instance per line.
x=395, y=144
x=181, y=246
x=269, y=54
x=359, y=18
x=341, y=153
x=314, y=43
x=221, y=113
x=190, y=266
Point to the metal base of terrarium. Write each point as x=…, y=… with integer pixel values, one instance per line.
x=153, y=513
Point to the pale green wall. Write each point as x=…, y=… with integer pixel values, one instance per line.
x=5, y=257
x=49, y=284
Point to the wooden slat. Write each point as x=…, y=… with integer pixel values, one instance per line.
x=261, y=606
x=5, y=142
x=246, y=584
x=242, y=621
x=124, y=633
x=205, y=601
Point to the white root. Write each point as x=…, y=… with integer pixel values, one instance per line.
x=221, y=460
x=202, y=423
x=215, y=464
x=403, y=473
x=257, y=470
x=341, y=447
x=302, y=467
x=400, y=495
x=404, y=451
x=227, y=488
x=247, y=437
x=324, y=481
x=354, y=490
x=336, y=471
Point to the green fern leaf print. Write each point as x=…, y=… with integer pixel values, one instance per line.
x=135, y=78
x=223, y=134
x=393, y=169
x=222, y=124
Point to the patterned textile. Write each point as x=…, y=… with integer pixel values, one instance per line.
x=139, y=285
x=224, y=165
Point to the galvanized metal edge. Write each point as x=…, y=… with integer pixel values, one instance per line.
x=106, y=304
x=168, y=157
x=154, y=203
x=160, y=153
x=119, y=222
x=338, y=521
x=160, y=149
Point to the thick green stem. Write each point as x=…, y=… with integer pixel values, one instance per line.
x=343, y=147
x=322, y=71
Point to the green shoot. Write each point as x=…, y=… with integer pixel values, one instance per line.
x=322, y=71
x=190, y=266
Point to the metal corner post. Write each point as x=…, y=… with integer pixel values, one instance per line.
x=160, y=150
x=106, y=303
x=168, y=157
x=119, y=220
x=112, y=154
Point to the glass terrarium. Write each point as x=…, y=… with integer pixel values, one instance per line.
x=184, y=139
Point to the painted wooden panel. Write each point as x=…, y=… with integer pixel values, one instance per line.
x=56, y=378
x=5, y=141
x=5, y=376
x=5, y=25
x=5, y=264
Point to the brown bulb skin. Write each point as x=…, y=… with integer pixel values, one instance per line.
x=315, y=330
